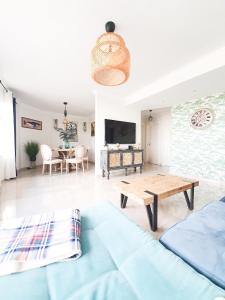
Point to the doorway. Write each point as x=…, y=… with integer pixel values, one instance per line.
x=156, y=136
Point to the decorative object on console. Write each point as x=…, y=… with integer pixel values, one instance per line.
x=32, y=149
x=84, y=126
x=92, y=128
x=31, y=123
x=201, y=118
x=110, y=58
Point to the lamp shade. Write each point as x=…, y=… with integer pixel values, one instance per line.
x=110, y=60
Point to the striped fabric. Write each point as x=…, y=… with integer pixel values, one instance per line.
x=39, y=240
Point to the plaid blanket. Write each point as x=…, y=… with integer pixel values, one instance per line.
x=39, y=240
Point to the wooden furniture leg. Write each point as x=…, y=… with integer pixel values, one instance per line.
x=50, y=169
x=43, y=169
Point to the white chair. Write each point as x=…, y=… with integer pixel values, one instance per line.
x=85, y=158
x=46, y=154
x=78, y=160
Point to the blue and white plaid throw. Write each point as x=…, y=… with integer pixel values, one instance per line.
x=38, y=240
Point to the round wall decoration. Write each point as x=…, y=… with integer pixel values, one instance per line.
x=202, y=118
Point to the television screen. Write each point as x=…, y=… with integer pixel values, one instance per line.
x=120, y=132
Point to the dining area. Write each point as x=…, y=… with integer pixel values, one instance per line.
x=64, y=160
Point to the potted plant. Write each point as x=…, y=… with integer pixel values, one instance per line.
x=32, y=149
x=66, y=136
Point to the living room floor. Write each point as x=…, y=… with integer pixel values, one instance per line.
x=33, y=193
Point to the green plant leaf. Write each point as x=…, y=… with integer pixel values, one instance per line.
x=31, y=149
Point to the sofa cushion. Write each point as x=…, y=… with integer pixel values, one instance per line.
x=200, y=241
x=120, y=261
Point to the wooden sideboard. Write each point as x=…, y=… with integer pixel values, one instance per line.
x=121, y=159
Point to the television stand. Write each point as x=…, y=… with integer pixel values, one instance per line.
x=121, y=159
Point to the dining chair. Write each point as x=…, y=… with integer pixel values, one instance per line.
x=85, y=158
x=46, y=154
x=77, y=160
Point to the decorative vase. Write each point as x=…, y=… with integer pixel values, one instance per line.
x=66, y=144
x=32, y=162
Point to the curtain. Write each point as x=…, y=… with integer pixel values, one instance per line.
x=14, y=124
x=7, y=138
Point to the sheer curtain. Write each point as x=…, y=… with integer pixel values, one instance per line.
x=7, y=142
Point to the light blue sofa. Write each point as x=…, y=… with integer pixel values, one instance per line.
x=200, y=241
x=119, y=262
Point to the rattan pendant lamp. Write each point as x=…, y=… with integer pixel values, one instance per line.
x=110, y=58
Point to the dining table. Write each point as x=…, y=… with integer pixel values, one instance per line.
x=65, y=152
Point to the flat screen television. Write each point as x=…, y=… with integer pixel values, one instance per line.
x=120, y=132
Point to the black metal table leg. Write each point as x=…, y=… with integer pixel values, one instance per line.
x=190, y=201
x=103, y=173
x=153, y=213
x=123, y=201
x=192, y=197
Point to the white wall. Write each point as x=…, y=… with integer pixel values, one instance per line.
x=199, y=153
x=111, y=108
x=48, y=134
x=158, y=135
x=1, y=135
x=92, y=141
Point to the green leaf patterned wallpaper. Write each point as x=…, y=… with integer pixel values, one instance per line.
x=199, y=152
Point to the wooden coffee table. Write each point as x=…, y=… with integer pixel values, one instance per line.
x=151, y=189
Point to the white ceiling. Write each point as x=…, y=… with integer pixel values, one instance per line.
x=45, y=48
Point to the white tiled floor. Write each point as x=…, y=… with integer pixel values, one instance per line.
x=33, y=193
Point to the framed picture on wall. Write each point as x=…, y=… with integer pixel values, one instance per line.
x=31, y=123
x=55, y=122
x=92, y=128
x=84, y=126
x=72, y=128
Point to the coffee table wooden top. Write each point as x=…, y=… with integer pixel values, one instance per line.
x=161, y=185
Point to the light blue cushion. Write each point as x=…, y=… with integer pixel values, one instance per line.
x=200, y=241
x=119, y=262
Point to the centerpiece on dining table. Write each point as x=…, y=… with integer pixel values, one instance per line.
x=69, y=133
